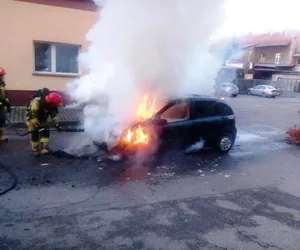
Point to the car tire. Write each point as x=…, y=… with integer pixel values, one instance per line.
x=264, y=95
x=225, y=143
x=248, y=92
x=234, y=95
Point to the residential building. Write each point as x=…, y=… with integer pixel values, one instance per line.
x=270, y=48
x=41, y=41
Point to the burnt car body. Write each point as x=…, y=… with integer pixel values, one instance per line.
x=185, y=121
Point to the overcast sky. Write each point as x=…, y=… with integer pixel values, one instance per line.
x=258, y=16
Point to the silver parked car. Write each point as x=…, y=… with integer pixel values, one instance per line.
x=226, y=89
x=264, y=91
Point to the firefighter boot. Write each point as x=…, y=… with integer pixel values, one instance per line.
x=35, y=146
x=45, y=147
x=2, y=138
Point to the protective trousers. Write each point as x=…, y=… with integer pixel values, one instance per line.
x=2, y=119
x=39, y=138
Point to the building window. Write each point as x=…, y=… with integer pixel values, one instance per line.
x=298, y=61
x=277, y=58
x=56, y=58
x=262, y=58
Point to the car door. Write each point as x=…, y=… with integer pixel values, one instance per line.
x=174, y=134
x=262, y=90
x=255, y=90
x=201, y=114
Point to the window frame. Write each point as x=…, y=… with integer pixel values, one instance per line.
x=171, y=106
x=53, y=71
x=277, y=58
x=197, y=103
x=262, y=58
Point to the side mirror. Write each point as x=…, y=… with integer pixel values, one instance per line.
x=162, y=122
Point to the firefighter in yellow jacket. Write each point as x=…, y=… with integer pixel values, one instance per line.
x=38, y=112
x=4, y=103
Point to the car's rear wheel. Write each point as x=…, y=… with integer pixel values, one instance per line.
x=264, y=95
x=235, y=95
x=225, y=143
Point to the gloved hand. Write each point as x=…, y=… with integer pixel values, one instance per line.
x=58, y=128
x=8, y=109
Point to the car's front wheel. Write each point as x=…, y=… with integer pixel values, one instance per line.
x=249, y=92
x=225, y=143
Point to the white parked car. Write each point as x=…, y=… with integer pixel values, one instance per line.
x=264, y=91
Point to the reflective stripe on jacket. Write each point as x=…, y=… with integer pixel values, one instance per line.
x=4, y=100
x=38, y=112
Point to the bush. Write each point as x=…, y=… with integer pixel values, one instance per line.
x=294, y=136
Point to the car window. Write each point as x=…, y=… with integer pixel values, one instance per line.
x=221, y=109
x=257, y=87
x=177, y=112
x=203, y=109
x=262, y=87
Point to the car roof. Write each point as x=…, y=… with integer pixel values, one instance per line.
x=196, y=98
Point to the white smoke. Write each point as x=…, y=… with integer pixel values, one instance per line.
x=139, y=46
x=195, y=147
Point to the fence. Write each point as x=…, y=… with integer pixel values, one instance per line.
x=284, y=87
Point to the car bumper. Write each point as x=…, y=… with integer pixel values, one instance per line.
x=233, y=92
x=274, y=94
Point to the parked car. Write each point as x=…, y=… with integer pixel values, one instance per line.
x=184, y=122
x=264, y=91
x=226, y=89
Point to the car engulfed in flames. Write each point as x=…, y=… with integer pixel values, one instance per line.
x=142, y=134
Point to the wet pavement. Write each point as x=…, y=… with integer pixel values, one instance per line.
x=248, y=199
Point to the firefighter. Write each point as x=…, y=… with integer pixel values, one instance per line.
x=4, y=102
x=38, y=111
x=40, y=93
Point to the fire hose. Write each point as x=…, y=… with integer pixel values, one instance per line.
x=12, y=174
x=49, y=129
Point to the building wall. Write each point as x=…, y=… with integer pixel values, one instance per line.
x=276, y=76
x=270, y=52
x=21, y=23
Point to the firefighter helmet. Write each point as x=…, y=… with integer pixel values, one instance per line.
x=2, y=72
x=54, y=100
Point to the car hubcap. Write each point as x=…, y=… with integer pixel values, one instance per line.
x=225, y=143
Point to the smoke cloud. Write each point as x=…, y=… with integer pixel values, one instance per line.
x=144, y=46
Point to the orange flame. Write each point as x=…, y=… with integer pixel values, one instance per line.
x=146, y=109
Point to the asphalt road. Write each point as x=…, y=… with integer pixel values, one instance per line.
x=248, y=199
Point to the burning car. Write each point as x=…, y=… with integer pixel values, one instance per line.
x=182, y=122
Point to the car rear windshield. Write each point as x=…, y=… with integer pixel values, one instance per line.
x=229, y=85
